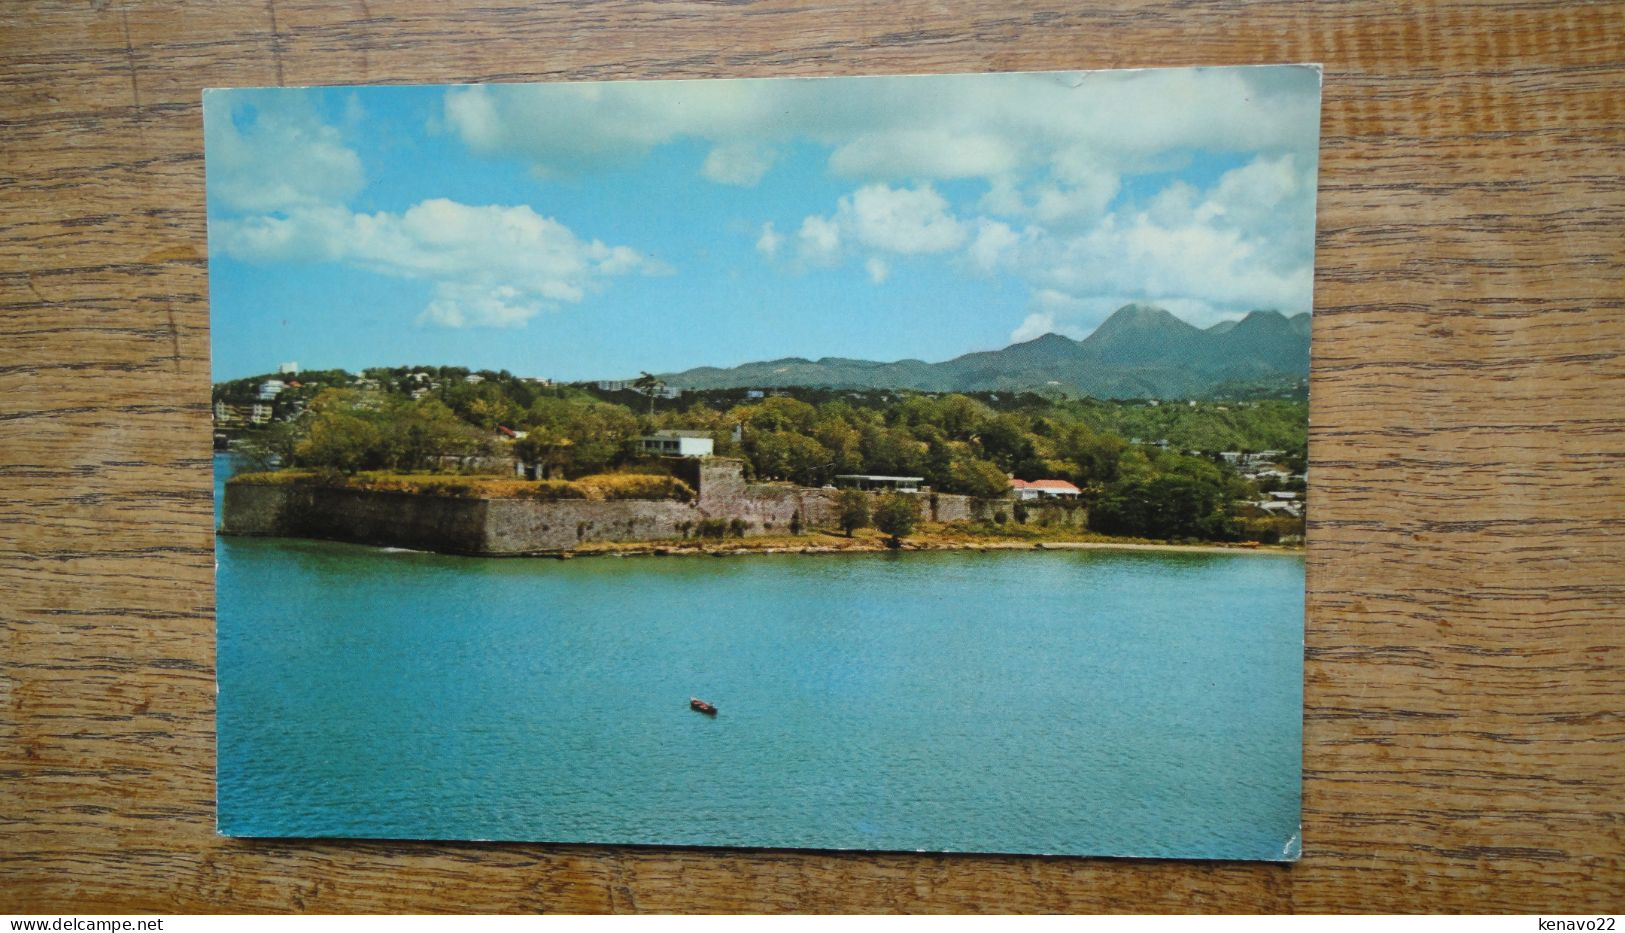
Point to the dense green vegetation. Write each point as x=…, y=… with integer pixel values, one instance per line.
x=895, y=516
x=853, y=507
x=1148, y=470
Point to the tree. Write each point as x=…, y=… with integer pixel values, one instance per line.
x=895, y=515
x=781, y=413
x=483, y=404
x=1007, y=442
x=1165, y=507
x=853, y=506
x=649, y=385
x=341, y=442
x=547, y=450
x=271, y=447
x=962, y=416
x=791, y=456
x=841, y=440
x=1092, y=457
x=600, y=438
x=580, y=436
x=416, y=435
x=980, y=478
x=892, y=452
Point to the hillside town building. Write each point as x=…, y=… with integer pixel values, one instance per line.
x=677, y=444
x=867, y=481
x=1044, y=489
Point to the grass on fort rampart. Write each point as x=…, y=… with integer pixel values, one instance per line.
x=599, y=487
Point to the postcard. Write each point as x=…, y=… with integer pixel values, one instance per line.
x=885, y=463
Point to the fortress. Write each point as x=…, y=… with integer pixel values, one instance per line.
x=520, y=526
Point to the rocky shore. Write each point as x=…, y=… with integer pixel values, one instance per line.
x=876, y=543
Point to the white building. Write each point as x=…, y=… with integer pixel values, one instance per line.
x=631, y=385
x=1044, y=489
x=678, y=444
x=238, y=414
x=271, y=388
x=869, y=481
x=1280, y=507
x=289, y=369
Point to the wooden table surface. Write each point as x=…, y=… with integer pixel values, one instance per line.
x=1465, y=705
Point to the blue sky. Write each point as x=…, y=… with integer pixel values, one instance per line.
x=595, y=230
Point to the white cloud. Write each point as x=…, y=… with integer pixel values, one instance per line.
x=1003, y=198
x=1272, y=200
x=469, y=305
x=279, y=180
x=1136, y=257
x=492, y=265
x=1083, y=200
x=741, y=164
x=907, y=128
x=901, y=220
x=768, y=243
x=270, y=150
x=930, y=153
x=1057, y=312
x=819, y=241
x=1033, y=326
x=878, y=270
x=585, y=126
x=993, y=247
x=906, y=221
x=1244, y=243
x=1198, y=312
x=1035, y=164
x=1175, y=205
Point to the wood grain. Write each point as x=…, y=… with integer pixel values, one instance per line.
x=1465, y=699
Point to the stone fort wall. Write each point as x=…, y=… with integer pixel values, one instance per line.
x=529, y=526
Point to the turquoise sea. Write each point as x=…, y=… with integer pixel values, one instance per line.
x=1088, y=702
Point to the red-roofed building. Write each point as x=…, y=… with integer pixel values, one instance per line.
x=1044, y=489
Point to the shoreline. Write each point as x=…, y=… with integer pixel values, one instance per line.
x=568, y=528
x=876, y=544
x=836, y=545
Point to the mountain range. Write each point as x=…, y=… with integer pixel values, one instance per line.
x=1139, y=351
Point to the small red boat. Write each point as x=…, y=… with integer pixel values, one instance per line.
x=700, y=706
